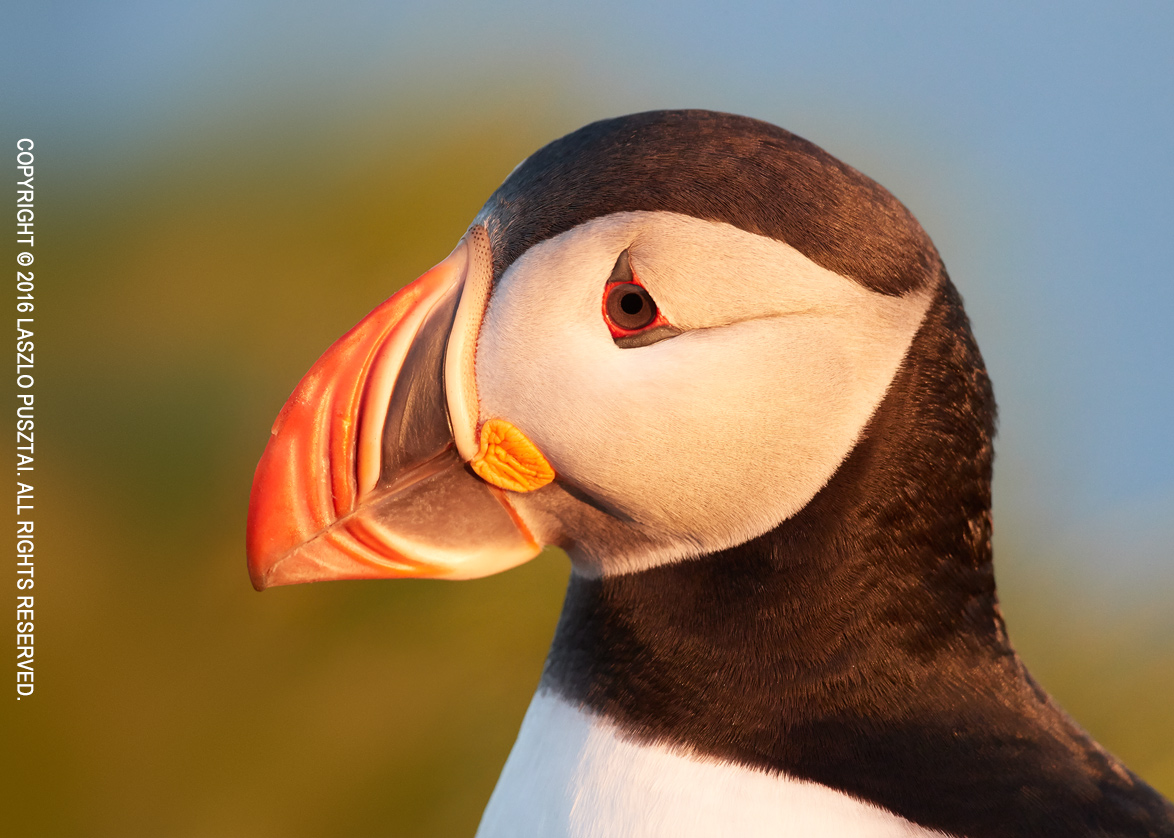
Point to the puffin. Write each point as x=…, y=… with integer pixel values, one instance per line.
x=729, y=375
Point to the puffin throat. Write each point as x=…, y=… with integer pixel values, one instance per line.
x=848, y=608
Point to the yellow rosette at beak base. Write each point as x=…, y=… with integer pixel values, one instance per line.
x=508, y=460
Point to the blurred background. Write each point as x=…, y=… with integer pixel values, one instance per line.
x=224, y=188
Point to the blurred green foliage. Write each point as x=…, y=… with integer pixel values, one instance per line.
x=184, y=290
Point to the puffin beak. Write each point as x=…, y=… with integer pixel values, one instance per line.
x=362, y=477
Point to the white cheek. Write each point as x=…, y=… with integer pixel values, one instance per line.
x=534, y=346
x=708, y=438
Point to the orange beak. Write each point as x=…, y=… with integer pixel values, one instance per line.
x=361, y=478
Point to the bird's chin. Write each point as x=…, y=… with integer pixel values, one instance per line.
x=362, y=477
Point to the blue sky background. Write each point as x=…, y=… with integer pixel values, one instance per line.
x=1034, y=142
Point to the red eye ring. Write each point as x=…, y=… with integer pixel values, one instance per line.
x=628, y=309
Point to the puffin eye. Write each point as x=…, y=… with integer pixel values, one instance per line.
x=630, y=312
x=629, y=306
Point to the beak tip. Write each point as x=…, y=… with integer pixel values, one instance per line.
x=258, y=574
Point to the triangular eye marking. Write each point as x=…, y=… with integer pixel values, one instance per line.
x=631, y=314
x=622, y=272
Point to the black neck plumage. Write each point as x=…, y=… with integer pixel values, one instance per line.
x=859, y=644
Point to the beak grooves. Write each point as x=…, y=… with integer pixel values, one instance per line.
x=362, y=478
x=323, y=431
x=387, y=362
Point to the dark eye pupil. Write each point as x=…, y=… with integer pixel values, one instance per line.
x=629, y=306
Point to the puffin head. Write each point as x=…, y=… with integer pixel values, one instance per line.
x=729, y=375
x=664, y=336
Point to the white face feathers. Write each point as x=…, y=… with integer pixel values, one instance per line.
x=699, y=441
